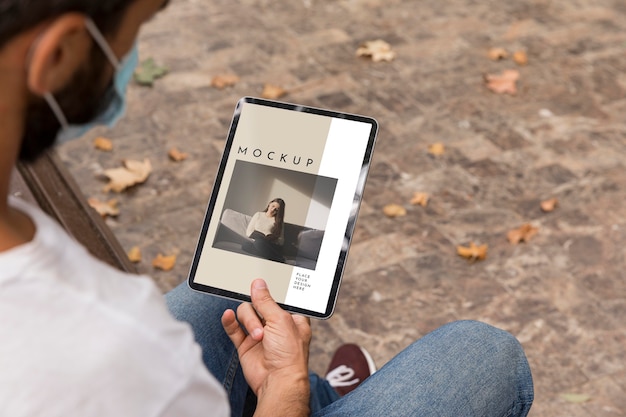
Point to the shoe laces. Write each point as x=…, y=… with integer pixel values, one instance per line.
x=341, y=377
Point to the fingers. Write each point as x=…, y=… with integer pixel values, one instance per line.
x=232, y=328
x=304, y=326
x=253, y=316
x=270, y=311
x=251, y=321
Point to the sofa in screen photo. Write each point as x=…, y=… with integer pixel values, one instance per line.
x=301, y=247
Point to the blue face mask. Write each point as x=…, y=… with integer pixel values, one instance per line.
x=115, y=95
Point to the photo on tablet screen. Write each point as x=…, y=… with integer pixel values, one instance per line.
x=275, y=214
x=284, y=204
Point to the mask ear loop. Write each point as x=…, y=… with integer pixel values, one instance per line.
x=108, y=52
x=56, y=109
x=102, y=43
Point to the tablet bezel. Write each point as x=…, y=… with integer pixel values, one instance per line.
x=357, y=198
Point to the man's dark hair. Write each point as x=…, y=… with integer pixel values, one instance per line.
x=17, y=16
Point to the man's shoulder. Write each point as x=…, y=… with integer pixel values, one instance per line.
x=91, y=335
x=54, y=286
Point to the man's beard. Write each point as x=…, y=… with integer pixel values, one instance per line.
x=81, y=101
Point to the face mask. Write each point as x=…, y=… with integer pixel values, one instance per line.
x=114, y=104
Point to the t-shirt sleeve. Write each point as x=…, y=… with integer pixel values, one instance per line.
x=173, y=351
x=198, y=398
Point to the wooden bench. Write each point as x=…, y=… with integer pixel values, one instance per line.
x=50, y=185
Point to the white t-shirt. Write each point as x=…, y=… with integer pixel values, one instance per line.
x=79, y=338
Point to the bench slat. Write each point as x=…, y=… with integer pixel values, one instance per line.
x=48, y=183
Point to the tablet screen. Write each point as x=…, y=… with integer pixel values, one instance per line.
x=284, y=204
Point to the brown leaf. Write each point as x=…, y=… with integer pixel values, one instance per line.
x=103, y=144
x=177, y=156
x=505, y=83
x=134, y=254
x=394, y=210
x=472, y=252
x=273, y=92
x=437, y=149
x=165, y=263
x=226, y=80
x=108, y=208
x=522, y=234
x=549, y=205
x=520, y=58
x=377, y=50
x=420, y=199
x=133, y=172
x=496, y=54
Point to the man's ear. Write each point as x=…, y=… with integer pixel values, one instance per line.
x=56, y=55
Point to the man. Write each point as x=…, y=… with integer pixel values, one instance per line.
x=79, y=338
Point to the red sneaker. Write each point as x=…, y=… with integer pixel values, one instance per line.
x=350, y=366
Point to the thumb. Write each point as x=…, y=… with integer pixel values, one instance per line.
x=262, y=300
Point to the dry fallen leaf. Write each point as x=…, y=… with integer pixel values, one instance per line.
x=576, y=398
x=437, y=149
x=108, y=208
x=225, y=80
x=420, y=199
x=522, y=234
x=472, y=252
x=394, y=210
x=496, y=54
x=177, y=156
x=505, y=83
x=148, y=71
x=134, y=255
x=103, y=144
x=165, y=263
x=549, y=205
x=377, y=50
x=520, y=58
x=133, y=172
x=273, y=92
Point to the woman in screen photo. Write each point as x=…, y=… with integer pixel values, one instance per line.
x=266, y=228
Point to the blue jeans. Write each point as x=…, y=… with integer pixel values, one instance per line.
x=462, y=369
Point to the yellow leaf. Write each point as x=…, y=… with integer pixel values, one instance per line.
x=377, y=50
x=226, y=80
x=576, y=398
x=134, y=255
x=273, y=92
x=109, y=208
x=472, y=252
x=165, y=263
x=133, y=172
x=103, y=144
x=394, y=210
x=496, y=54
x=549, y=205
x=420, y=199
x=522, y=234
x=505, y=83
x=436, y=149
x=177, y=156
x=520, y=58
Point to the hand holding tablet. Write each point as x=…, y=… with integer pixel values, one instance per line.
x=284, y=204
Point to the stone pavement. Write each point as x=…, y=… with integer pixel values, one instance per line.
x=563, y=294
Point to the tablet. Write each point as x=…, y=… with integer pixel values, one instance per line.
x=284, y=204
